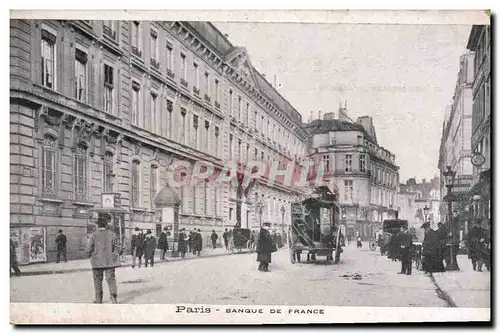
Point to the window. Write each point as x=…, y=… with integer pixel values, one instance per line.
x=183, y=127
x=108, y=172
x=151, y=123
x=135, y=103
x=109, y=29
x=205, y=197
x=230, y=102
x=108, y=89
x=134, y=184
x=207, y=84
x=154, y=45
x=248, y=114
x=348, y=163
x=195, y=131
x=256, y=154
x=49, y=166
x=80, y=75
x=326, y=163
x=170, y=57
x=216, y=199
x=362, y=163
x=170, y=108
x=196, y=76
x=80, y=172
x=183, y=69
x=48, y=59
x=136, y=38
x=153, y=179
x=230, y=146
x=348, y=190
x=230, y=213
x=216, y=144
x=262, y=157
x=193, y=198
x=240, y=153
x=216, y=97
x=206, y=145
x=239, y=108
x=262, y=124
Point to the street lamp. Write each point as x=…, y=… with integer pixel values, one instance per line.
x=449, y=177
x=282, y=221
x=426, y=213
x=260, y=207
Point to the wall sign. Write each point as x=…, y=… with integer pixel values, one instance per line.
x=478, y=159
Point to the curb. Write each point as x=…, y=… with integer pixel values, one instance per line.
x=127, y=265
x=442, y=294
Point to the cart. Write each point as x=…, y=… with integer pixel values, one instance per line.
x=315, y=228
x=241, y=240
x=381, y=242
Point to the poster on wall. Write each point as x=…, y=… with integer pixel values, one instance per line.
x=15, y=236
x=38, y=252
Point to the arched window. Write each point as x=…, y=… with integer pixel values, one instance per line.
x=134, y=185
x=80, y=172
x=108, y=175
x=49, y=166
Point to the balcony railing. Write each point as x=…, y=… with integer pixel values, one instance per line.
x=155, y=64
x=136, y=52
x=196, y=90
x=217, y=105
x=207, y=98
x=170, y=74
x=184, y=82
x=109, y=32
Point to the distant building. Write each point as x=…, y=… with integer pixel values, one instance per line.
x=413, y=197
x=365, y=173
x=455, y=148
x=480, y=194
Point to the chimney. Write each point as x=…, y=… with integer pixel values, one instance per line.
x=311, y=116
x=423, y=181
x=329, y=116
x=320, y=114
x=226, y=35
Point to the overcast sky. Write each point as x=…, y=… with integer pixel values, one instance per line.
x=401, y=75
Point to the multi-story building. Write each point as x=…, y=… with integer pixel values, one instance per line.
x=413, y=197
x=455, y=148
x=480, y=194
x=365, y=173
x=107, y=106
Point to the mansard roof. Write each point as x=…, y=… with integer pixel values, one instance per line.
x=324, y=126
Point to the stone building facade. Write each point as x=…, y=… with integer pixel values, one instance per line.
x=365, y=173
x=106, y=107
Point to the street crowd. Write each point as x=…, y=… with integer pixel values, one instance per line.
x=434, y=252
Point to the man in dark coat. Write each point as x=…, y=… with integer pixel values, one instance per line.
x=265, y=247
x=225, y=236
x=61, y=246
x=442, y=233
x=13, y=259
x=182, y=247
x=149, y=249
x=476, y=245
x=163, y=244
x=214, y=238
x=104, y=251
x=432, y=261
x=406, y=242
x=137, y=245
x=198, y=242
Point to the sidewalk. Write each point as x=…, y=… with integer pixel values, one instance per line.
x=465, y=288
x=84, y=264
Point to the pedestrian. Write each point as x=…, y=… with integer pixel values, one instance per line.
x=476, y=245
x=149, y=249
x=214, y=238
x=442, y=233
x=225, y=236
x=192, y=241
x=61, y=246
x=163, y=243
x=265, y=248
x=137, y=245
x=198, y=242
x=406, y=242
x=104, y=251
x=359, y=243
x=432, y=261
x=230, y=240
x=13, y=259
x=182, y=247
x=349, y=239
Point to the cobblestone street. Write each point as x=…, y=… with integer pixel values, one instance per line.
x=363, y=278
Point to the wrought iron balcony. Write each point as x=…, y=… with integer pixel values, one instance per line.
x=184, y=82
x=196, y=90
x=109, y=32
x=155, y=64
x=217, y=105
x=170, y=74
x=207, y=98
x=136, y=52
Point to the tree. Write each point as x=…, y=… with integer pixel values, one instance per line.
x=242, y=192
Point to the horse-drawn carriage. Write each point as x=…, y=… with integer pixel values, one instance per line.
x=315, y=227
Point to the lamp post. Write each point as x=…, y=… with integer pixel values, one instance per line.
x=260, y=207
x=449, y=177
x=282, y=221
x=426, y=213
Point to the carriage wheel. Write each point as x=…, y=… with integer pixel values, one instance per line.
x=373, y=245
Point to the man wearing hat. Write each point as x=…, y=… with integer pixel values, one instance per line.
x=432, y=261
x=476, y=245
x=265, y=247
x=406, y=244
x=61, y=246
x=149, y=249
x=137, y=245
